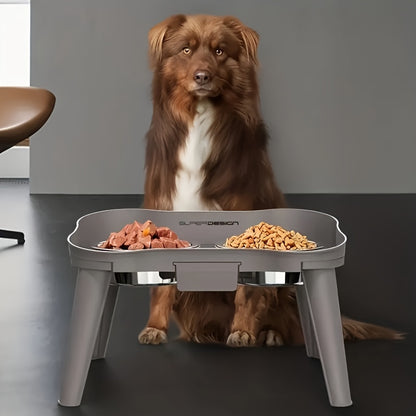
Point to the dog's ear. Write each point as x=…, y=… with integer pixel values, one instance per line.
x=248, y=37
x=157, y=35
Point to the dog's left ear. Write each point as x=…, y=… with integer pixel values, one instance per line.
x=248, y=37
x=157, y=35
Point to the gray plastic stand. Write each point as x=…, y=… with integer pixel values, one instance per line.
x=206, y=266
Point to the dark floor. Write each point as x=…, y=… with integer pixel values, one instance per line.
x=377, y=284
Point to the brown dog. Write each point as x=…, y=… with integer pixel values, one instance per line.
x=207, y=149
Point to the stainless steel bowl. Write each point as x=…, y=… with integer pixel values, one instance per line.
x=245, y=278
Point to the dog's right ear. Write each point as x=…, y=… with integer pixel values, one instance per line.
x=249, y=37
x=157, y=35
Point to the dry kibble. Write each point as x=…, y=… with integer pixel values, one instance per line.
x=271, y=237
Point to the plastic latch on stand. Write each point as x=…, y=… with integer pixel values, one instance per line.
x=203, y=277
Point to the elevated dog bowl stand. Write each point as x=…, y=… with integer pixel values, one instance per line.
x=206, y=266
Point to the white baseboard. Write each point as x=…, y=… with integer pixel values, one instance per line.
x=14, y=162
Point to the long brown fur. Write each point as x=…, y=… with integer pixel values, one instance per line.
x=237, y=176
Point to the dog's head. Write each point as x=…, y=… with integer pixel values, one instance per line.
x=204, y=56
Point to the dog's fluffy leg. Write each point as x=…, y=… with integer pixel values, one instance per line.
x=161, y=304
x=250, y=305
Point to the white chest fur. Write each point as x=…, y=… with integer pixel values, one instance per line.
x=192, y=156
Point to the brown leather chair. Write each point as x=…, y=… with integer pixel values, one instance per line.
x=23, y=111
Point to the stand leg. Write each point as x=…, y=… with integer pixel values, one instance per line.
x=306, y=322
x=90, y=296
x=322, y=296
x=101, y=343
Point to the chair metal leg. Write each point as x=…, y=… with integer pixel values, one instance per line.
x=322, y=297
x=89, y=301
x=14, y=235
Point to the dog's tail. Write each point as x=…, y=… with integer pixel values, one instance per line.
x=356, y=330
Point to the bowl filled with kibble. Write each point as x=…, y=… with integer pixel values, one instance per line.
x=265, y=236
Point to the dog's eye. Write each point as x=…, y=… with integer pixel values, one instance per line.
x=219, y=51
x=186, y=50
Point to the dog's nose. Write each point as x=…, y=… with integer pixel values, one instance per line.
x=202, y=77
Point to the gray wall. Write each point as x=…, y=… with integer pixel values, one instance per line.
x=338, y=83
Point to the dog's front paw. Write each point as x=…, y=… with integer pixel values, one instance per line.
x=241, y=339
x=273, y=339
x=153, y=336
